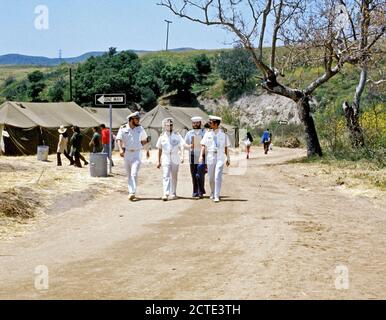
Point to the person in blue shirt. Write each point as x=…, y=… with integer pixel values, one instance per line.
x=266, y=140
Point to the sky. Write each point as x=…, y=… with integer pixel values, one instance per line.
x=80, y=26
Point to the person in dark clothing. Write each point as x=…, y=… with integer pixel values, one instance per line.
x=193, y=143
x=76, y=147
x=96, y=141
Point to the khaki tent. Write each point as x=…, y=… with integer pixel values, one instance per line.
x=102, y=115
x=152, y=121
x=28, y=125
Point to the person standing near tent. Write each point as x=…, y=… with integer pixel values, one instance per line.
x=266, y=140
x=131, y=138
x=193, y=142
x=215, y=145
x=170, y=144
x=106, y=136
x=76, y=147
x=62, y=146
x=96, y=141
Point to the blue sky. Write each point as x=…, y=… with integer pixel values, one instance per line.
x=79, y=26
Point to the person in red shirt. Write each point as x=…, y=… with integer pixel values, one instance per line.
x=105, y=133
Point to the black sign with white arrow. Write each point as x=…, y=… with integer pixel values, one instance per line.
x=116, y=99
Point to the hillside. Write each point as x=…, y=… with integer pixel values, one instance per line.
x=19, y=59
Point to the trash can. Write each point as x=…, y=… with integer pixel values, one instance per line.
x=42, y=153
x=98, y=164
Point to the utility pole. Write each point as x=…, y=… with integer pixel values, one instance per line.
x=70, y=84
x=167, y=33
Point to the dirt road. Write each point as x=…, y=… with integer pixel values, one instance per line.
x=278, y=234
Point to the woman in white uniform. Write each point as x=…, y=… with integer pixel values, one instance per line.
x=170, y=146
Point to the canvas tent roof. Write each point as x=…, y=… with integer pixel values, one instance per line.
x=153, y=119
x=102, y=115
x=194, y=111
x=46, y=115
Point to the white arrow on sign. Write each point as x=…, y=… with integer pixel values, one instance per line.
x=102, y=99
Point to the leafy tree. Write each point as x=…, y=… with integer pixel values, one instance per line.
x=35, y=76
x=110, y=73
x=56, y=92
x=150, y=75
x=34, y=91
x=36, y=85
x=203, y=66
x=179, y=77
x=236, y=67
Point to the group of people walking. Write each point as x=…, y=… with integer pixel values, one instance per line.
x=208, y=153
x=208, y=147
x=99, y=142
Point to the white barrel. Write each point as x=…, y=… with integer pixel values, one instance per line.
x=98, y=164
x=42, y=153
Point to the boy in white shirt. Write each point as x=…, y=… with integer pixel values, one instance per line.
x=215, y=144
x=170, y=145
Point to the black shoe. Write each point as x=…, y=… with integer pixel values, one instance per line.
x=86, y=163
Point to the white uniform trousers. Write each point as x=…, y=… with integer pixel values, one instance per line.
x=170, y=174
x=215, y=171
x=132, y=165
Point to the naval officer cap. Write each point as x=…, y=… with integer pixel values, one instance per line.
x=167, y=121
x=196, y=119
x=214, y=118
x=133, y=115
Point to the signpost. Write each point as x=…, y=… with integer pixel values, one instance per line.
x=110, y=99
x=281, y=122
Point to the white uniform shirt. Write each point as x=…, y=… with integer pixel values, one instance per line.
x=132, y=138
x=170, y=145
x=194, y=137
x=215, y=143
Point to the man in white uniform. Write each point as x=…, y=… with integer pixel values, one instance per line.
x=170, y=144
x=215, y=144
x=193, y=143
x=131, y=138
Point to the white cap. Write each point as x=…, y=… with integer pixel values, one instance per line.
x=214, y=118
x=62, y=129
x=167, y=121
x=196, y=119
x=133, y=115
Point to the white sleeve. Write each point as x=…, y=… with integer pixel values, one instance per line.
x=143, y=135
x=204, y=140
x=158, y=145
x=119, y=134
x=187, y=138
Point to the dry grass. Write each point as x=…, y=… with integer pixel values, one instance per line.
x=29, y=187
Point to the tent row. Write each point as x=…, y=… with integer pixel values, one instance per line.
x=26, y=125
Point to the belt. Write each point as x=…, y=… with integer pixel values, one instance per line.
x=132, y=150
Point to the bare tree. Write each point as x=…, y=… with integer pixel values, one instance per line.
x=363, y=30
x=307, y=25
